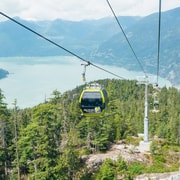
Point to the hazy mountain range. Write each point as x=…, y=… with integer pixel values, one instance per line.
x=102, y=41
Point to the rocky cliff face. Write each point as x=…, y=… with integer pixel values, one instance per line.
x=130, y=153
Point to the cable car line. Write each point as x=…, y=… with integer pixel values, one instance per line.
x=127, y=38
x=159, y=37
x=59, y=46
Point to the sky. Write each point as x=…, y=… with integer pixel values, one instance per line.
x=77, y=10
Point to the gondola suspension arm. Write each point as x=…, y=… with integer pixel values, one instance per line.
x=84, y=71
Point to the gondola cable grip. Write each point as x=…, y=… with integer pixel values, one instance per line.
x=84, y=71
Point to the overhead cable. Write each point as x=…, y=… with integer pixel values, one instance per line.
x=159, y=37
x=127, y=39
x=59, y=46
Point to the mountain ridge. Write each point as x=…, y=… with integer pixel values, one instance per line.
x=101, y=41
x=145, y=45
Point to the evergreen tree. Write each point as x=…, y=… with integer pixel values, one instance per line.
x=5, y=138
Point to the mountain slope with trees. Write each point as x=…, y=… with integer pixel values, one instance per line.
x=48, y=141
x=82, y=37
x=102, y=41
x=143, y=36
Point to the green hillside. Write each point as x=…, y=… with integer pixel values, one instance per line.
x=49, y=140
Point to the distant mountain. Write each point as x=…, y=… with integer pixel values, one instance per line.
x=101, y=41
x=143, y=36
x=82, y=37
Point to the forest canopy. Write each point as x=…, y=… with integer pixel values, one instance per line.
x=48, y=140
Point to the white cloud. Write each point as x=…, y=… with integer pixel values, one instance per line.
x=81, y=9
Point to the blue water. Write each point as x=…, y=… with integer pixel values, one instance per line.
x=33, y=79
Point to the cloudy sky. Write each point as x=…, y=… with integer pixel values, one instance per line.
x=81, y=9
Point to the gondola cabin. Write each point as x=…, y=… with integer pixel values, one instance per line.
x=93, y=100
